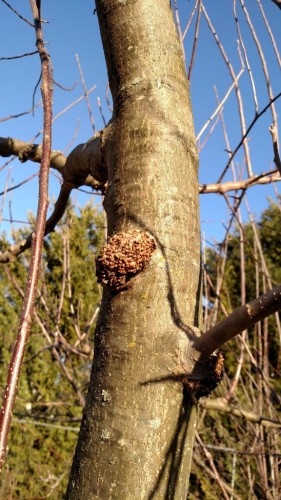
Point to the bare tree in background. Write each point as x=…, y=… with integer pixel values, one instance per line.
x=151, y=363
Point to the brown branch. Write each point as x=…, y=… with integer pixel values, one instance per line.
x=257, y=116
x=212, y=466
x=81, y=156
x=51, y=346
x=18, y=185
x=15, y=250
x=207, y=470
x=37, y=243
x=86, y=94
x=221, y=404
x=237, y=91
x=30, y=111
x=221, y=188
x=241, y=319
x=195, y=42
x=27, y=151
x=18, y=57
x=84, y=166
x=17, y=14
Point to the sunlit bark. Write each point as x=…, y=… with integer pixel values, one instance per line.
x=137, y=433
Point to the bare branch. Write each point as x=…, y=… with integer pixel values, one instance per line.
x=213, y=467
x=212, y=475
x=19, y=184
x=220, y=105
x=51, y=346
x=273, y=41
x=178, y=26
x=37, y=242
x=263, y=62
x=15, y=250
x=248, y=66
x=221, y=188
x=221, y=404
x=19, y=15
x=30, y=111
x=190, y=20
x=85, y=166
x=101, y=111
x=26, y=151
x=18, y=57
x=86, y=94
x=195, y=42
x=237, y=90
x=257, y=116
x=241, y=319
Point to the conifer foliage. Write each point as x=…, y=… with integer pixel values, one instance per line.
x=58, y=358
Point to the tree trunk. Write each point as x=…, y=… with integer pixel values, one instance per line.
x=137, y=432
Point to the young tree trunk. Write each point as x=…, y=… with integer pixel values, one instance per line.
x=137, y=432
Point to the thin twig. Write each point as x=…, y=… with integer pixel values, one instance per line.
x=178, y=26
x=195, y=41
x=240, y=40
x=5, y=192
x=15, y=250
x=67, y=89
x=274, y=45
x=18, y=57
x=257, y=116
x=237, y=90
x=37, y=243
x=18, y=14
x=107, y=98
x=213, y=467
x=18, y=115
x=263, y=62
x=86, y=94
x=53, y=349
x=19, y=184
x=240, y=361
x=101, y=111
x=221, y=104
x=190, y=20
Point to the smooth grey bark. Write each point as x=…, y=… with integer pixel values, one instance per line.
x=138, y=426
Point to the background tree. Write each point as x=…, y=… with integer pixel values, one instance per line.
x=241, y=422
x=58, y=357
x=110, y=154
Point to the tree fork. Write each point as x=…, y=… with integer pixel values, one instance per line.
x=137, y=431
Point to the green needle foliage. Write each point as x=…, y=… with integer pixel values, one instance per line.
x=58, y=356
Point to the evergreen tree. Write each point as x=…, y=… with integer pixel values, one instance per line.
x=259, y=381
x=58, y=357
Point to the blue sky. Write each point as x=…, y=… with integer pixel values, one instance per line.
x=73, y=29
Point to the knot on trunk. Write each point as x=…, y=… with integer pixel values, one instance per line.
x=205, y=377
x=124, y=256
